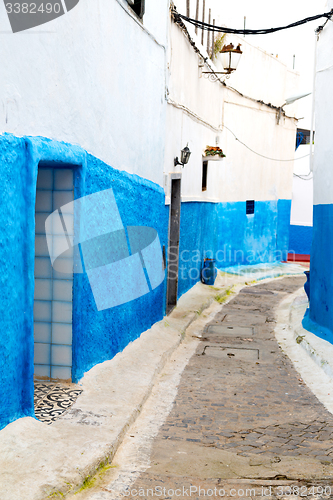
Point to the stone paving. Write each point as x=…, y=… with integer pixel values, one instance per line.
x=260, y=407
x=241, y=412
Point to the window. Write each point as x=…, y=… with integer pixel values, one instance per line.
x=303, y=136
x=138, y=6
x=204, y=175
x=250, y=207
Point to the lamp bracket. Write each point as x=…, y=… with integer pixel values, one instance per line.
x=177, y=162
x=214, y=76
x=217, y=72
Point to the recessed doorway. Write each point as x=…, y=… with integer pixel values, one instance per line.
x=173, y=247
x=53, y=298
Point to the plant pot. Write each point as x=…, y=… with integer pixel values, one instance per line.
x=307, y=284
x=209, y=272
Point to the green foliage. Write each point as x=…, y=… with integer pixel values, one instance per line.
x=87, y=483
x=222, y=297
x=90, y=481
x=56, y=494
x=219, y=43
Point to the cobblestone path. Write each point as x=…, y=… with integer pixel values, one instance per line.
x=261, y=406
x=242, y=415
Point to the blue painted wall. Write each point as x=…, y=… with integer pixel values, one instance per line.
x=97, y=336
x=283, y=229
x=321, y=331
x=300, y=239
x=321, y=279
x=198, y=239
x=16, y=277
x=247, y=239
x=225, y=232
x=222, y=231
x=100, y=335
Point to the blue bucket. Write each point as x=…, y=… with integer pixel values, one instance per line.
x=209, y=272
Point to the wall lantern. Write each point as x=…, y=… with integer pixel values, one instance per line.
x=184, y=158
x=230, y=57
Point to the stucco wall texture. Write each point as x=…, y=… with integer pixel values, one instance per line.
x=224, y=231
x=231, y=237
x=321, y=288
x=94, y=77
x=97, y=336
x=16, y=306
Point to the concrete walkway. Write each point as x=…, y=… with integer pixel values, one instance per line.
x=242, y=417
x=217, y=401
x=38, y=461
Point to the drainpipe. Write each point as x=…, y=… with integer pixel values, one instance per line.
x=313, y=103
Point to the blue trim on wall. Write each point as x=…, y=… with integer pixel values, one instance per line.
x=313, y=327
x=100, y=335
x=321, y=290
x=222, y=231
x=16, y=276
x=198, y=239
x=97, y=336
x=300, y=239
x=282, y=242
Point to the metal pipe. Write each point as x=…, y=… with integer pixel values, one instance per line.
x=313, y=103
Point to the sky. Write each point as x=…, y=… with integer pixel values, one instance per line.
x=299, y=41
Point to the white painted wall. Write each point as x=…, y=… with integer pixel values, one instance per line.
x=93, y=77
x=199, y=111
x=285, y=44
x=194, y=116
x=323, y=159
x=302, y=200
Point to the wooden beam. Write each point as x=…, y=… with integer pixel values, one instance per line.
x=208, y=32
x=203, y=20
x=213, y=40
x=197, y=16
x=188, y=7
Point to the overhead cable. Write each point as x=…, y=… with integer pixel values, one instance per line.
x=259, y=154
x=304, y=178
x=222, y=29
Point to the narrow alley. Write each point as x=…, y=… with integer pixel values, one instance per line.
x=166, y=290
x=242, y=418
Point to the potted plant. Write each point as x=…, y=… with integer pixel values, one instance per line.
x=214, y=151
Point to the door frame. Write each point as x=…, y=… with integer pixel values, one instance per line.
x=173, y=241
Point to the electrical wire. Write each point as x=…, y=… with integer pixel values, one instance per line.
x=303, y=178
x=222, y=29
x=259, y=154
x=216, y=75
